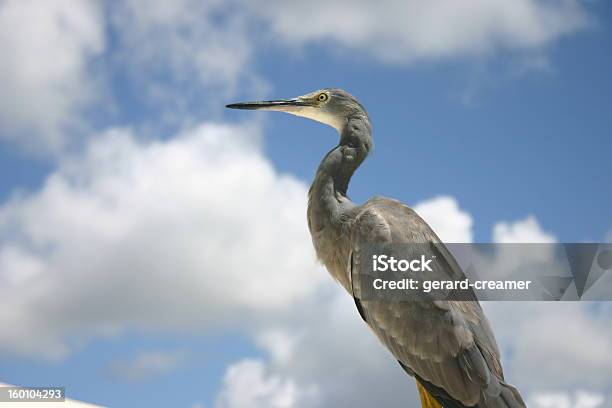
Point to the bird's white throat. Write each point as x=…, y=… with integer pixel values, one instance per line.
x=318, y=115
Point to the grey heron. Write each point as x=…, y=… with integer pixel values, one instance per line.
x=448, y=346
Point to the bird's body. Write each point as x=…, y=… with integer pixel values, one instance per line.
x=448, y=346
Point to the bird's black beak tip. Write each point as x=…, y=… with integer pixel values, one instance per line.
x=271, y=105
x=246, y=105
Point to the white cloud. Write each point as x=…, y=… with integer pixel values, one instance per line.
x=585, y=347
x=398, y=31
x=44, y=81
x=247, y=384
x=523, y=231
x=450, y=222
x=146, y=365
x=280, y=344
x=333, y=350
x=553, y=345
x=197, y=51
x=191, y=233
x=186, y=38
x=180, y=55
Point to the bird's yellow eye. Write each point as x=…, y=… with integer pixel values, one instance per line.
x=322, y=97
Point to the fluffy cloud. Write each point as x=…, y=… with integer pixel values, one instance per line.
x=44, y=79
x=398, y=31
x=214, y=36
x=529, y=334
x=247, y=384
x=173, y=52
x=197, y=51
x=523, y=231
x=188, y=233
x=182, y=36
x=583, y=353
x=446, y=218
x=331, y=348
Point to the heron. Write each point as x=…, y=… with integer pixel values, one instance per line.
x=448, y=346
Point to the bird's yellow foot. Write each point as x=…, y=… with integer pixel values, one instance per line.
x=427, y=400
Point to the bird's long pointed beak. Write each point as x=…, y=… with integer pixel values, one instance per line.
x=305, y=106
x=277, y=105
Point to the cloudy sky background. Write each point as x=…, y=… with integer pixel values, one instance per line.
x=154, y=248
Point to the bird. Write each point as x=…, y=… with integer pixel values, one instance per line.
x=447, y=345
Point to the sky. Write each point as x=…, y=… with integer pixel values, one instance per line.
x=153, y=245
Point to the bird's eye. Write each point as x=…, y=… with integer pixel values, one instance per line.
x=322, y=97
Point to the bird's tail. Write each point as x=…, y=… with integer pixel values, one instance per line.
x=508, y=397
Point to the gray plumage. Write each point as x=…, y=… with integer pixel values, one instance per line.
x=447, y=345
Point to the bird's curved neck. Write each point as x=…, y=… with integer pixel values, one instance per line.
x=328, y=199
x=331, y=181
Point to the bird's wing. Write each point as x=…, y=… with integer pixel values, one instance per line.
x=447, y=345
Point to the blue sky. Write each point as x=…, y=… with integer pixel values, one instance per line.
x=123, y=178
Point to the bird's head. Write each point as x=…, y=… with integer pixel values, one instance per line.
x=331, y=106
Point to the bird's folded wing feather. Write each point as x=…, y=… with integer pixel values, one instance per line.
x=448, y=344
